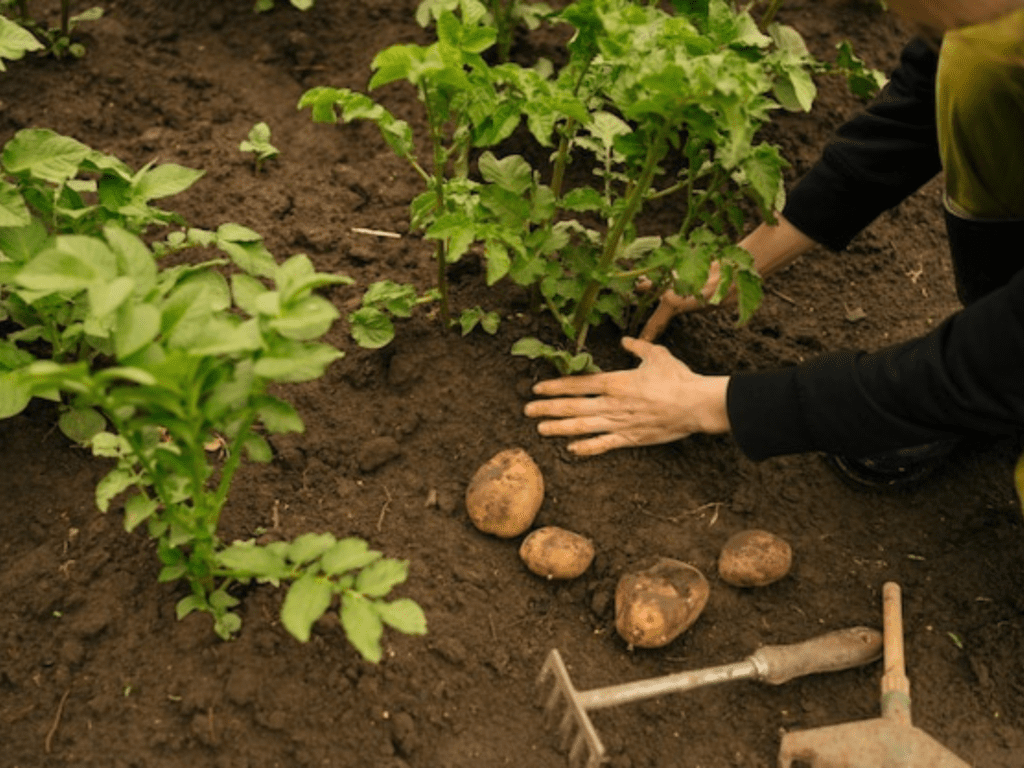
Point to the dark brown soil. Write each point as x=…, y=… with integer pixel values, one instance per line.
x=96, y=671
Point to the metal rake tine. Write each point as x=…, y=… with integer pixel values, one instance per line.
x=586, y=744
x=566, y=730
x=578, y=749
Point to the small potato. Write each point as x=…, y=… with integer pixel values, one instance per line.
x=654, y=606
x=505, y=494
x=754, y=558
x=556, y=553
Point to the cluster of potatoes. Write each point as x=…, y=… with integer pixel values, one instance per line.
x=503, y=499
x=653, y=606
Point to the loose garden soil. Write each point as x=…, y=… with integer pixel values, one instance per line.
x=96, y=671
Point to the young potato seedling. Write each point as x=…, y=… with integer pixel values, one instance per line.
x=55, y=41
x=258, y=143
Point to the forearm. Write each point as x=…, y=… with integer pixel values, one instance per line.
x=774, y=246
x=963, y=378
x=710, y=396
x=875, y=160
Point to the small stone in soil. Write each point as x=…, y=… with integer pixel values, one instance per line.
x=377, y=452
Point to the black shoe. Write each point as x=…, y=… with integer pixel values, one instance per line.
x=902, y=469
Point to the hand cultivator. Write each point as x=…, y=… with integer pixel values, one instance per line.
x=775, y=664
x=889, y=741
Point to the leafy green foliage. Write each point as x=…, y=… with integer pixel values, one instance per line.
x=476, y=316
x=258, y=143
x=15, y=41
x=193, y=354
x=27, y=34
x=59, y=282
x=504, y=15
x=863, y=81
x=158, y=365
x=565, y=362
x=262, y=6
x=371, y=324
x=71, y=188
x=464, y=106
x=322, y=569
x=660, y=105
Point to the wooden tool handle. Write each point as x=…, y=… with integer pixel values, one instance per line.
x=831, y=652
x=895, y=683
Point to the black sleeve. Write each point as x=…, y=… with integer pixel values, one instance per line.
x=875, y=160
x=966, y=377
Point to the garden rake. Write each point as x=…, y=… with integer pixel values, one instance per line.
x=775, y=664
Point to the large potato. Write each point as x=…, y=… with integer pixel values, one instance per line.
x=505, y=494
x=556, y=553
x=754, y=558
x=654, y=606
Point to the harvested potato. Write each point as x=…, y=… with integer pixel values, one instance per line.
x=754, y=558
x=654, y=606
x=505, y=494
x=556, y=553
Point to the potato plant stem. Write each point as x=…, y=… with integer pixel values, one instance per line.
x=501, y=10
x=561, y=159
x=611, y=244
x=65, y=15
x=440, y=253
x=234, y=458
x=769, y=14
x=562, y=155
x=692, y=209
x=137, y=449
x=693, y=206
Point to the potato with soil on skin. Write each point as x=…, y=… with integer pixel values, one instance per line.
x=654, y=606
x=505, y=494
x=556, y=553
x=754, y=558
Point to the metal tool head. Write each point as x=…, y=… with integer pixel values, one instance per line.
x=878, y=743
x=577, y=732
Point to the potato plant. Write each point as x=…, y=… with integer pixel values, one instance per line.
x=504, y=15
x=162, y=366
x=56, y=194
x=55, y=41
x=15, y=41
x=193, y=356
x=258, y=144
x=660, y=105
x=465, y=107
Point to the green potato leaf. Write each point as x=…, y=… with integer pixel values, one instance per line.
x=362, y=625
x=307, y=600
x=404, y=615
x=377, y=579
x=42, y=154
x=309, y=546
x=347, y=555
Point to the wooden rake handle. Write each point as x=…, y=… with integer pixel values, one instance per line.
x=895, y=683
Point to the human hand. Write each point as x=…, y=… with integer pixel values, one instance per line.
x=671, y=304
x=660, y=401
